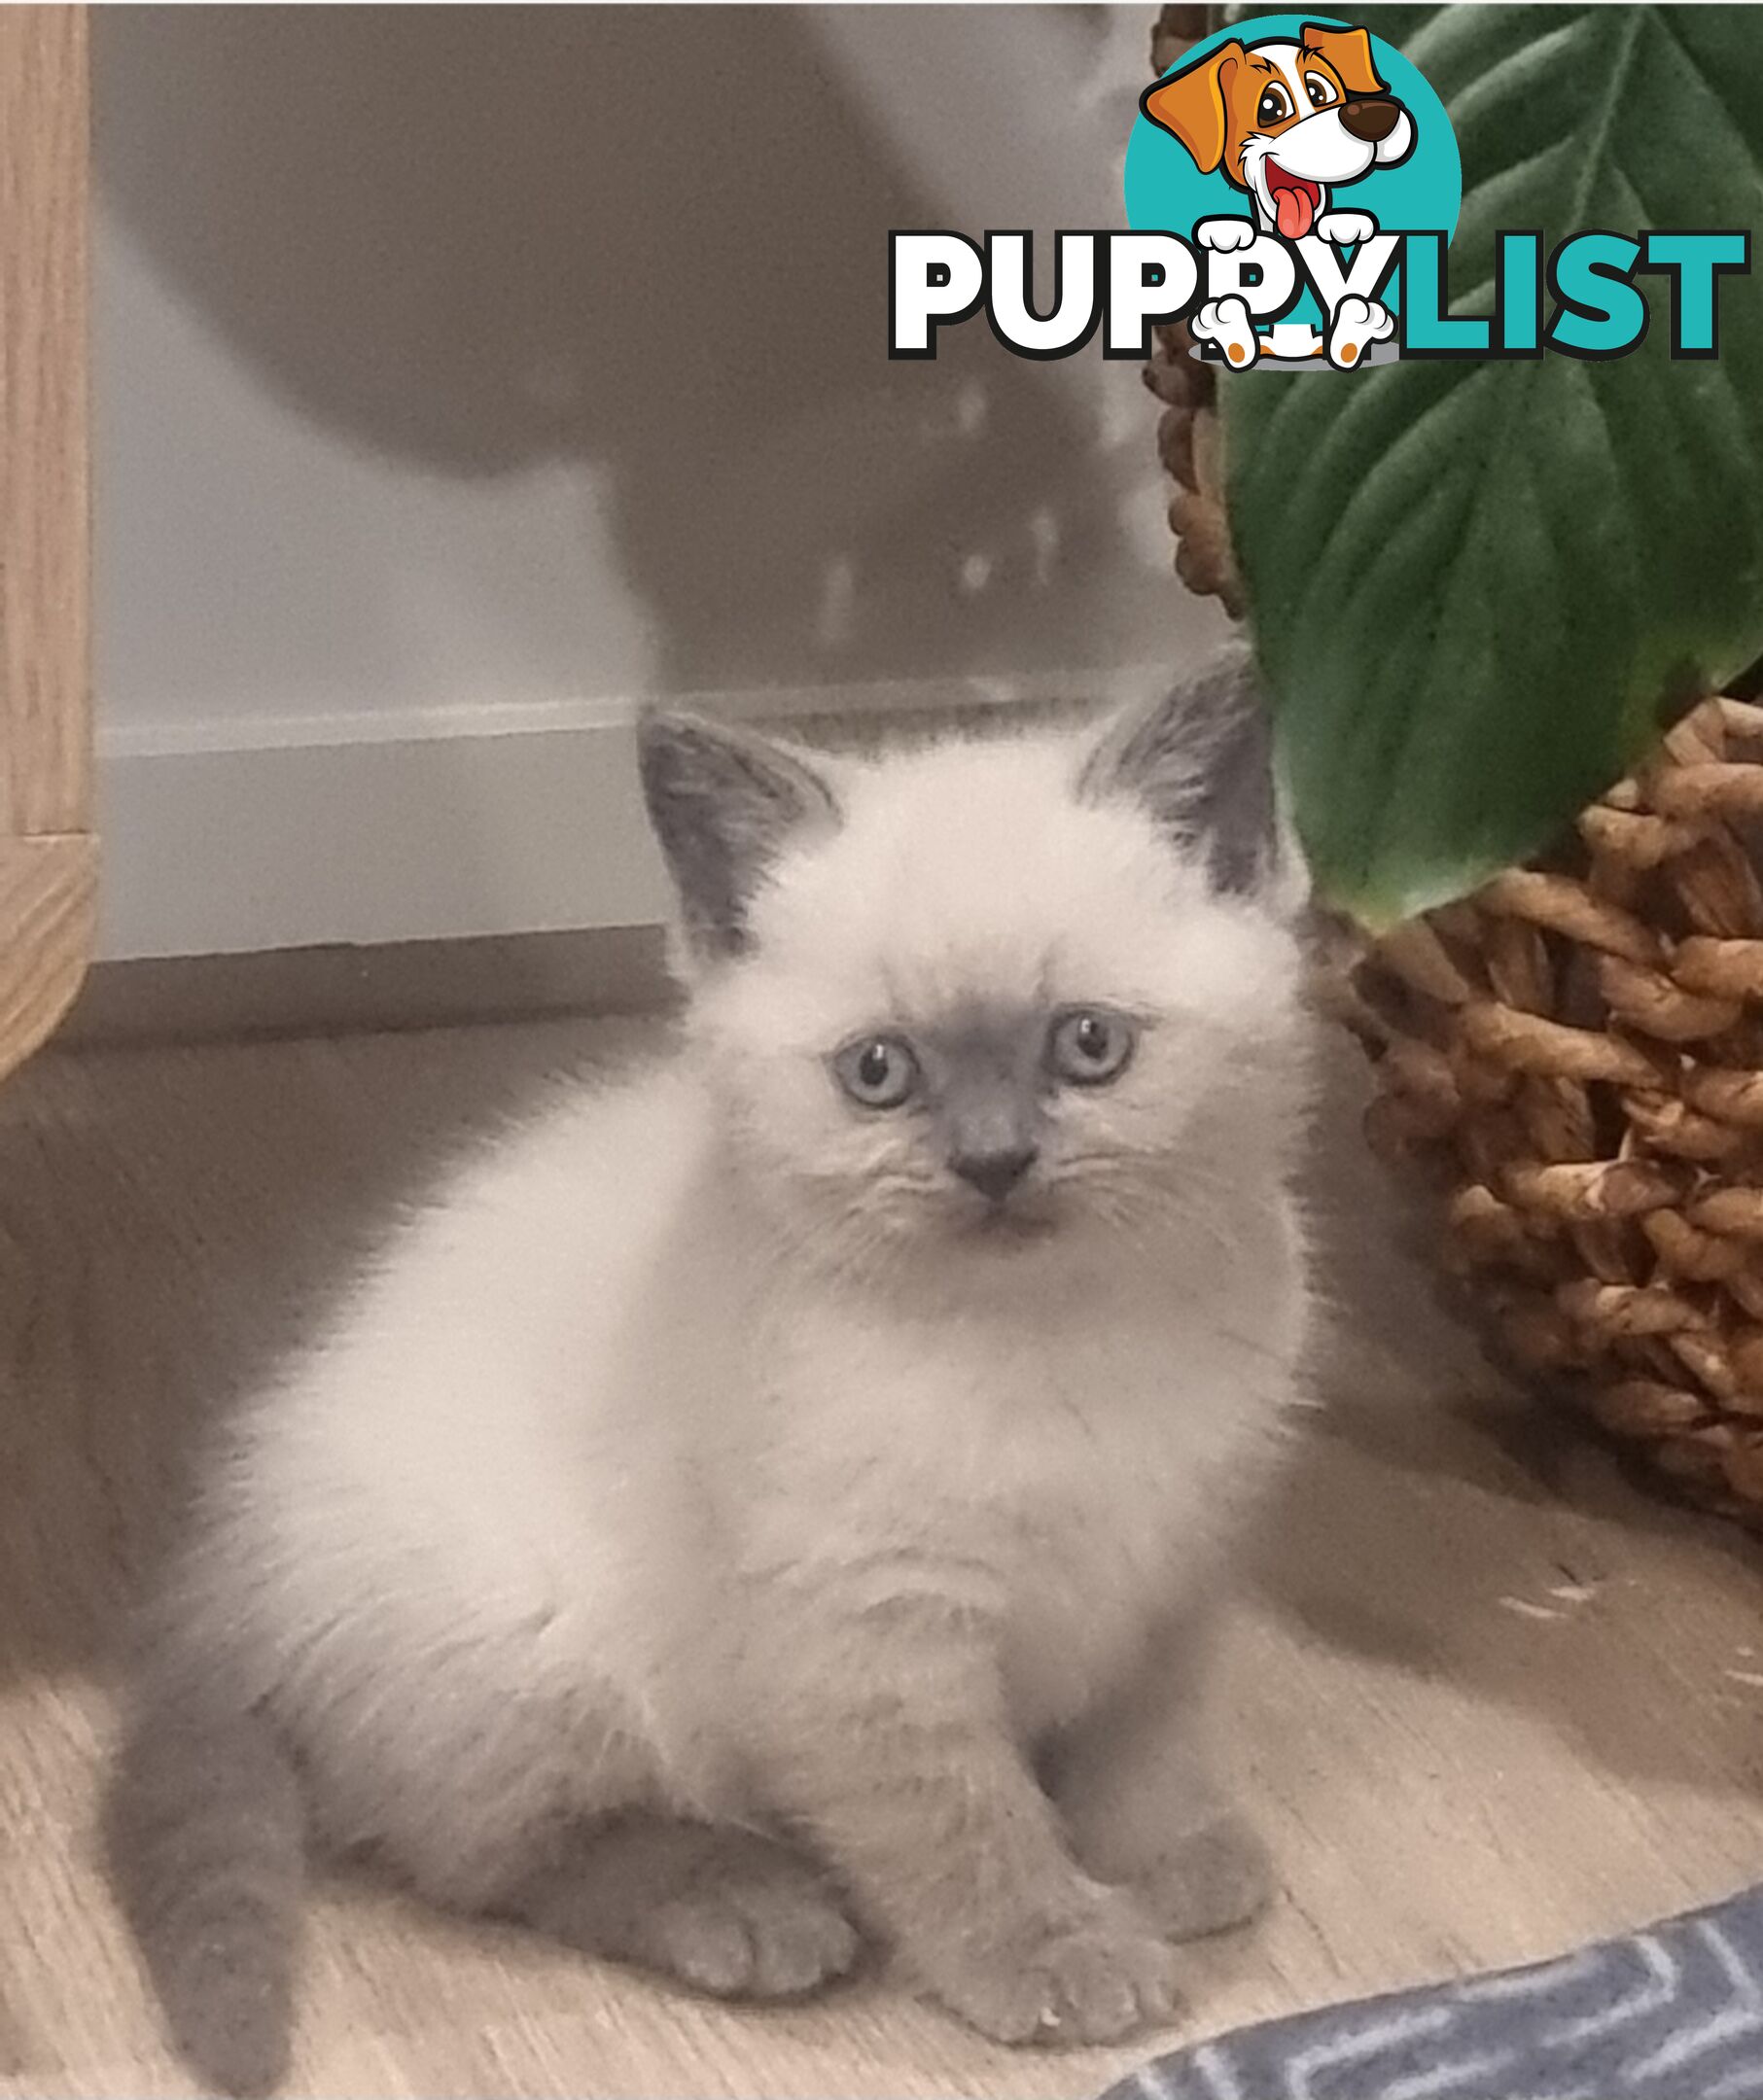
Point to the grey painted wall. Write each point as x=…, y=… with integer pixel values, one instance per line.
x=474, y=372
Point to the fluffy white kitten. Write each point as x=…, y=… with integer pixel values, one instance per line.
x=779, y=1496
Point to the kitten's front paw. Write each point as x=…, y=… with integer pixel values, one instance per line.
x=772, y=1932
x=1097, y=1980
x=1219, y=1877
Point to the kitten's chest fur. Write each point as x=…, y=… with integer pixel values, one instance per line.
x=1061, y=1478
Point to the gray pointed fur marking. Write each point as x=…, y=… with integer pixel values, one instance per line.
x=203, y=1839
x=1202, y=759
x=723, y=801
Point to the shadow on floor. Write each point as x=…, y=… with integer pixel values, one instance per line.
x=170, y=1221
x=1439, y=1520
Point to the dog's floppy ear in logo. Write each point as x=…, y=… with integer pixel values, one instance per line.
x=1192, y=105
x=1349, y=52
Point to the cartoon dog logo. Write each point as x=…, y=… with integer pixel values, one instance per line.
x=1287, y=122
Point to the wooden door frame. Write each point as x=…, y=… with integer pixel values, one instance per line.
x=48, y=853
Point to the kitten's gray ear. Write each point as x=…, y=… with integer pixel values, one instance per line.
x=1201, y=760
x=723, y=801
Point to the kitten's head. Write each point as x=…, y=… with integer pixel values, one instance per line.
x=983, y=999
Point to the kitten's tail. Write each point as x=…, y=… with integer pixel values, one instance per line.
x=204, y=1831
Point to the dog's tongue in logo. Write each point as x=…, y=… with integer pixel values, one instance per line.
x=1294, y=201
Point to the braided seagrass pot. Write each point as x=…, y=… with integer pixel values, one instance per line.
x=1188, y=438
x=1574, y=1054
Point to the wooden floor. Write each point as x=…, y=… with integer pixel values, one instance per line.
x=1485, y=1698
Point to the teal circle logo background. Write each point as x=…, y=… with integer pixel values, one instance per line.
x=1166, y=193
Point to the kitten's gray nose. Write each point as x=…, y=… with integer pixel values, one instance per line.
x=993, y=1174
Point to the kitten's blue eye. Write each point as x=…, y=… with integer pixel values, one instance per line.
x=1090, y=1045
x=878, y=1070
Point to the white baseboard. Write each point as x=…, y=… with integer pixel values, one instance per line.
x=231, y=837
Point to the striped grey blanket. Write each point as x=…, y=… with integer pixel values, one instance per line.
x=1673, y=2013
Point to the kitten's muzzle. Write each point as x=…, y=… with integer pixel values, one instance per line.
x=995, y=1172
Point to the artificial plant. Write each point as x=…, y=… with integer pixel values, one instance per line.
x=1481, y=590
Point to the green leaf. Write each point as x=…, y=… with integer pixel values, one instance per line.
x=1479, y=590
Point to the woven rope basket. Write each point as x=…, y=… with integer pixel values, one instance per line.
x=1574, y=1054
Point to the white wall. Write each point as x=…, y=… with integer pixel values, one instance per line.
x=466, y=376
